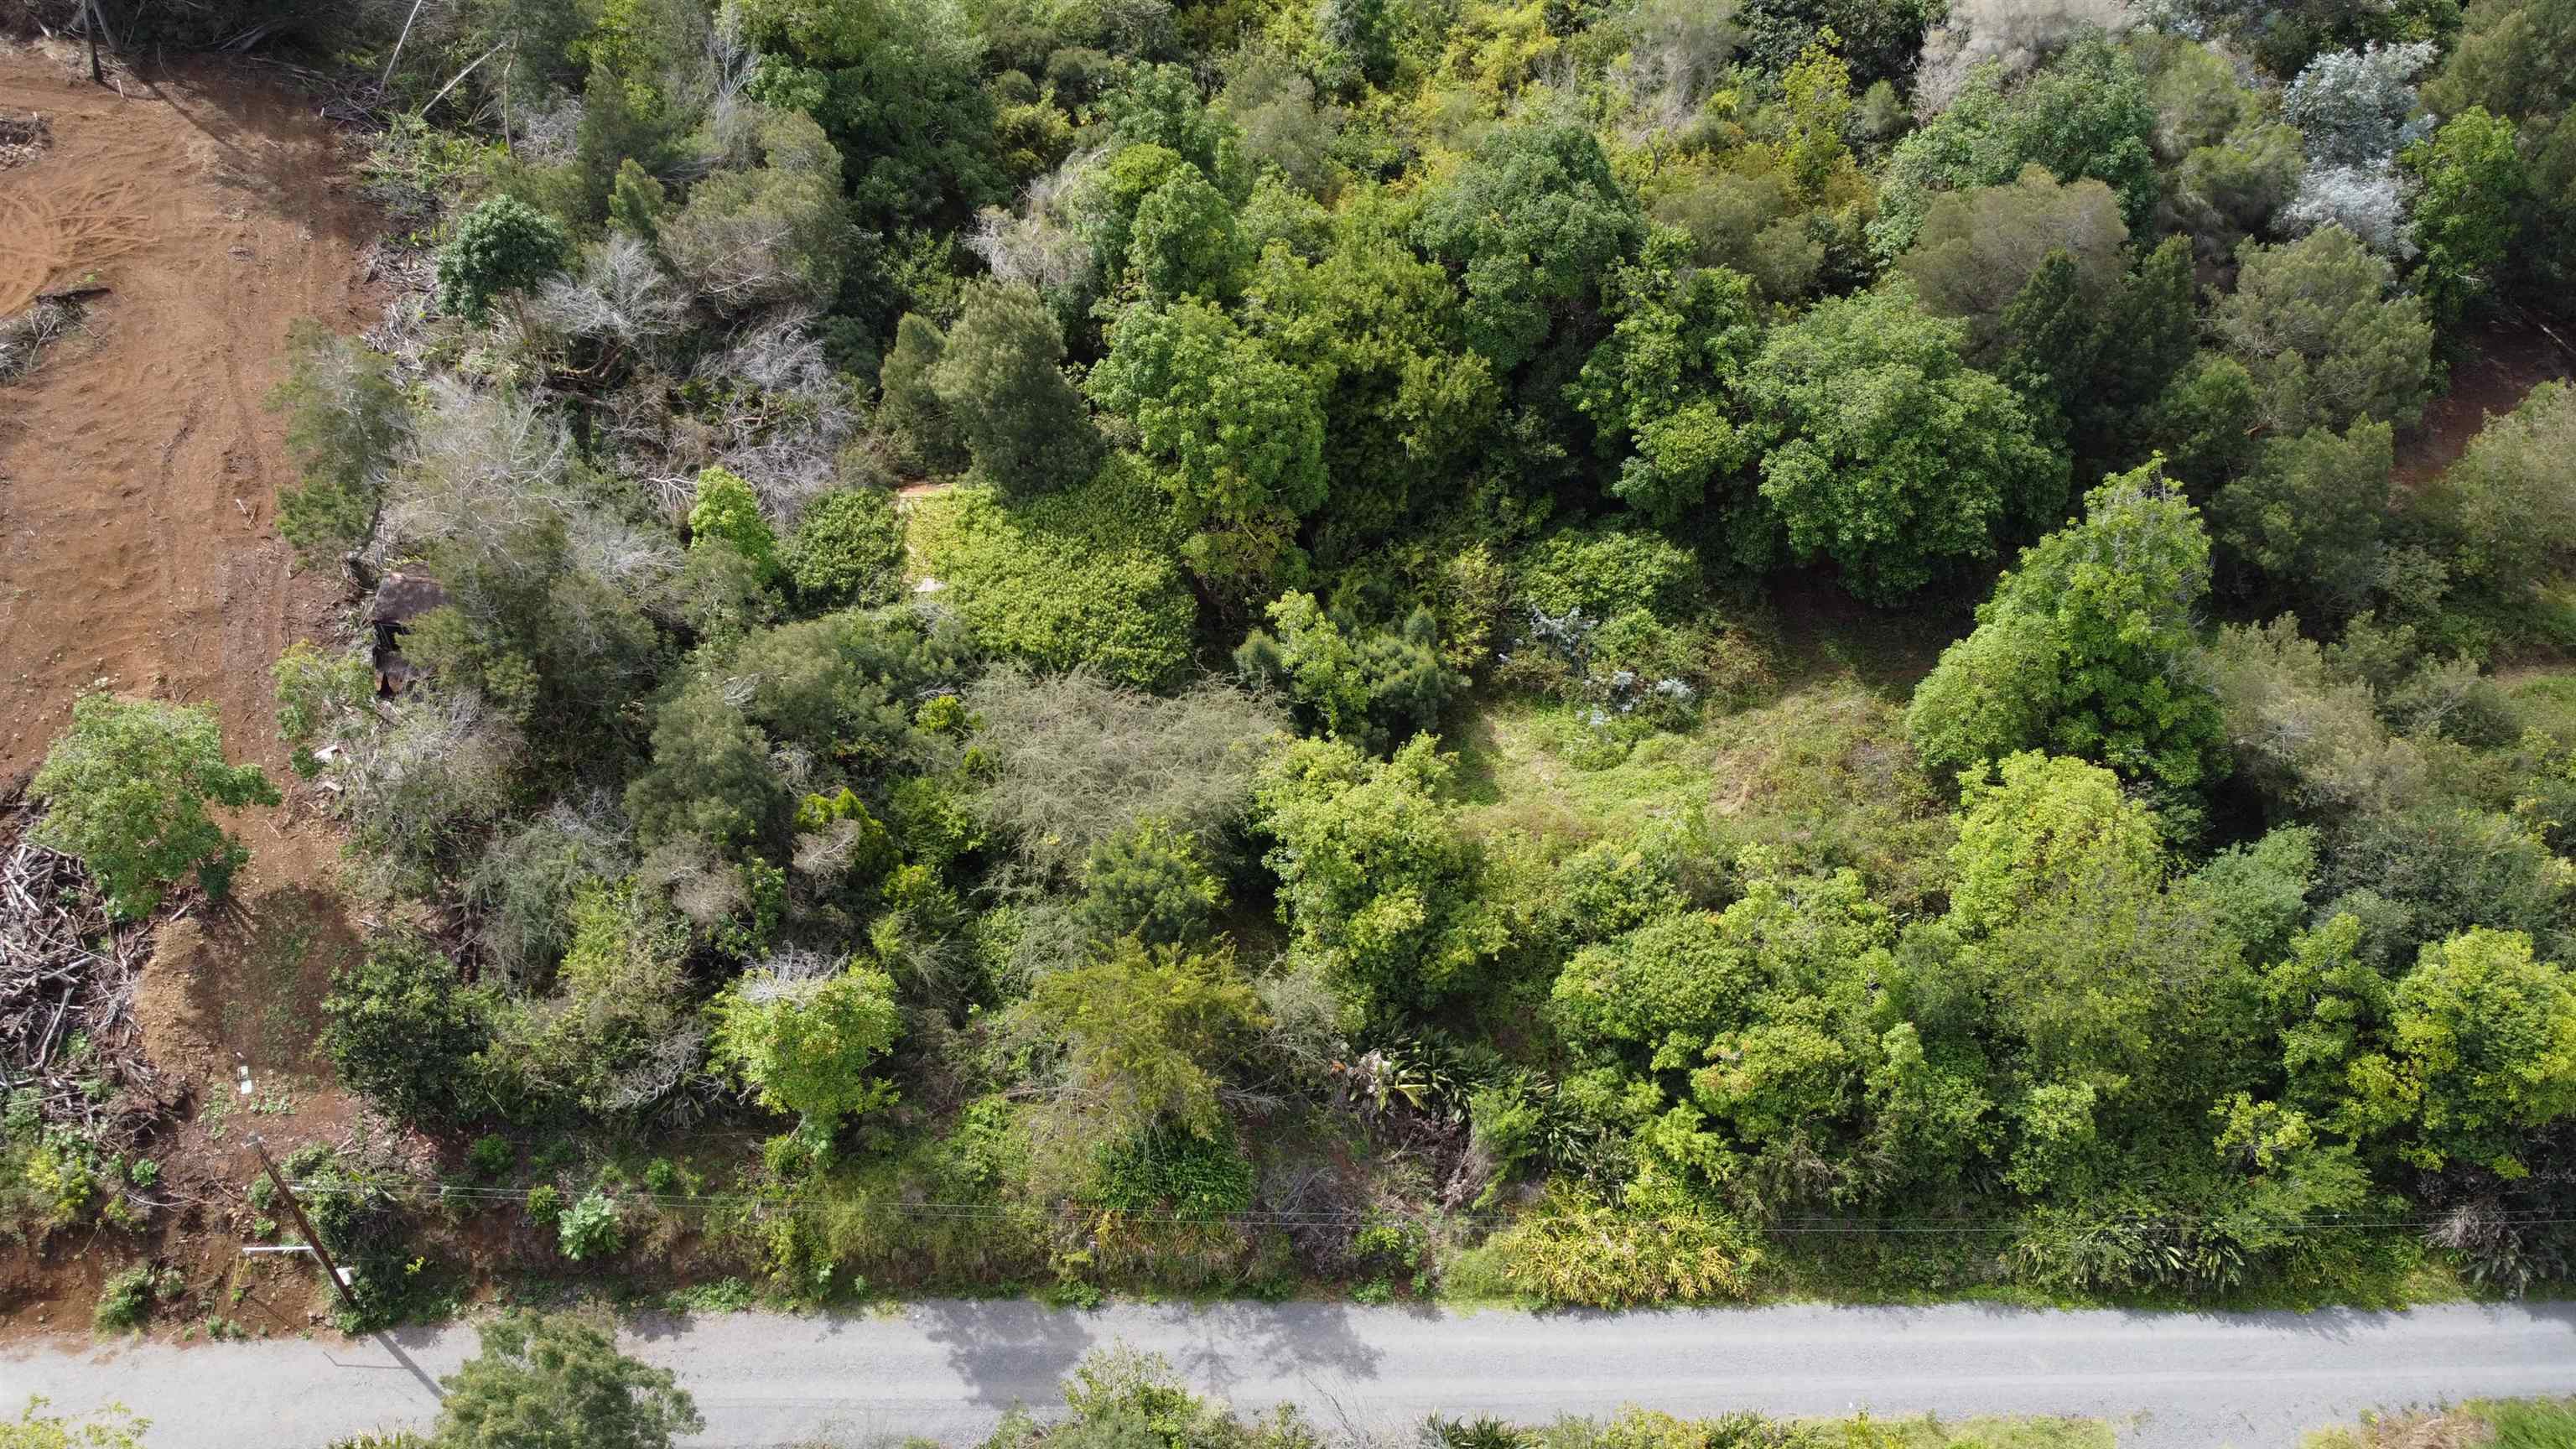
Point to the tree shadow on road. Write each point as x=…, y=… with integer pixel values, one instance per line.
x=1008, y=1352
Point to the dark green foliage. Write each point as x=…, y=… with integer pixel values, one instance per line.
x=2085, y=115
x=711, y=778
x=2514, y=58
x=846, y=549
x=1240, y=430
x=346, y=424
x=501, y=246
x=1148, y=881
x=1529, y=224
x=1885, y=453
x=403, y=1031
x=2304, y=527
x=898, y=90
x=125, y=788
x=908, y=401
x=2326, y=344
x=553, y=1379
x=1656, y=386
x=1376, y=686
x=1000, y=383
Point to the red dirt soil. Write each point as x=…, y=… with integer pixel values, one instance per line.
x=138, y=469
x=138, y=488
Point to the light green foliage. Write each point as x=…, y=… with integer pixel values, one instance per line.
x=2505, y=499
x=2481, y=1049
x=113, y=1427
x=551, y=1380
x=1382, y=332
x=770, y=234
x=806, y=1046
x=2087, y=649
x=1978, y=249
x=1240, y=432
x=1605, y=570
x=2305, y=525
x=591, y=1228
x=1001, y=384
x=846, y=549
x=1656, y=387
x=2467, y=216
x=2043, y=823
x=1148, y=881
x=1885, y=453
x=1183, y=242
x=125, y=789
x=728, y=511
x=403, y=1031
x=1580, y=1250
x=2514, y=58
x=346, y=425
x=1145, y=1034
x=2086, y=115
x=2315, y=325
x=1376, y=884
x=1056, y=599
x=1376, y=686
x=501, y=246
x=1530, y=222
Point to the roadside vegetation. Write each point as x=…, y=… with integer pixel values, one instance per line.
x=1594, y=653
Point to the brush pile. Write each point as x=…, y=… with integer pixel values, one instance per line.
x=68, y=974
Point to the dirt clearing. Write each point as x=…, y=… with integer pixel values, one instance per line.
x=138, y=489
x=138, y=470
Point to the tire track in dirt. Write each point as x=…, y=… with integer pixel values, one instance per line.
x=138, y=467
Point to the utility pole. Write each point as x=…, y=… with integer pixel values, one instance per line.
x=95, y=78
x=312, y=1239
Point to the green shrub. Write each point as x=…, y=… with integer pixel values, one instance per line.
x=591, y=1228
x=847, y=549
x=127, y=1298
x=491, y=1156
x=1606, y=569
x=1054, y=601
x=545, y=1206
x=728, y=510
x=126, y=788
x=401, y=1030
x=503, y=245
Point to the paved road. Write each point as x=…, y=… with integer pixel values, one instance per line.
x=949, y=1369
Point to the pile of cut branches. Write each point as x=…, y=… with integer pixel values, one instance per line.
x=68, y=976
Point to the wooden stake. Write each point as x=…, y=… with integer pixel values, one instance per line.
x=312, y=1238
x=95, y=77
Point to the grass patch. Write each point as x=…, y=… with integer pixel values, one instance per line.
x=1825, y=776
x=2477, y=1424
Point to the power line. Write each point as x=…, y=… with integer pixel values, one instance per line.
x=1807, y=1225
